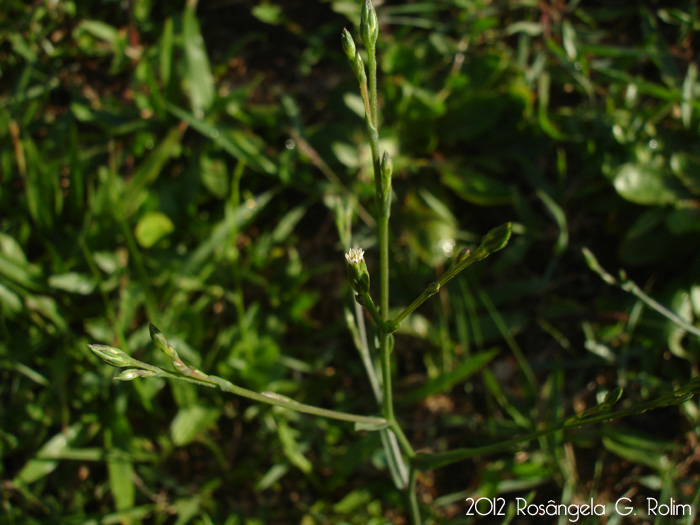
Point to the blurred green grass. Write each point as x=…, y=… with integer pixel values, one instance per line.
x=190, y=165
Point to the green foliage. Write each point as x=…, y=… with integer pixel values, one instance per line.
x=187, y=166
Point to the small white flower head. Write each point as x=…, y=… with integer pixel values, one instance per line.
x=357, y=270
x=355, y=256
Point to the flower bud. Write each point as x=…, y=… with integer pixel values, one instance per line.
x=133, y=373
x=127, y=375
x=357, y=270
x=433, y=288
x=496, y=239
x=462, y=255
x=181, y=367
x=111, y=355
x=387, y=168
x=369, y=26
x=161, y=342
x=348, y=45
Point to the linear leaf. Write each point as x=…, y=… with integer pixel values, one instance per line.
x=41, y=465
x=239, y=145
x=464, y=371
x=201, y=82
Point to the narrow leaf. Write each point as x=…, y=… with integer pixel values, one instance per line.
x=464, y=371
x=201, y=82
x=40, y=466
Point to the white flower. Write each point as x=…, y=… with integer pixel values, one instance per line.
x=357, y=270
x=355, y=256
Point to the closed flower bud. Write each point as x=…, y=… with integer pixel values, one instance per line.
x=133, y=373
x=387, y=168
x=161, y=342
x=433, y=288
x=496, y=239
x=369, y=26
x=387, y=165
x=357, y=270
x=111, y=355
x=348, y=45
x=462, y=255
x=181, y=367
x=127, y=375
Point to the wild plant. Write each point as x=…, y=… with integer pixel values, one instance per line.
x=404, y=462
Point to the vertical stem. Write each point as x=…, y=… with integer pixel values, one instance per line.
x=383, y=226
x=382, y=235
x=372, y=66
x=387, y=397
x=402, y=439
x=383, y=206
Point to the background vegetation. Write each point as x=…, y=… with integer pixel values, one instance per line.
x=196, y=166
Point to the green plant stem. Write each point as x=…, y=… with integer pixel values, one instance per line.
x=364, y=92
x=368, y=303
x=633, y=288
x=383, y=205
x=368, y=90
x=395, y=462
x=383, y=232
x=393, y=449
x=383, y=238
x=197, y=377
x=431, y=461
x=434, y=287
x=272, y=399
x=403, y=440
x=387, y=395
